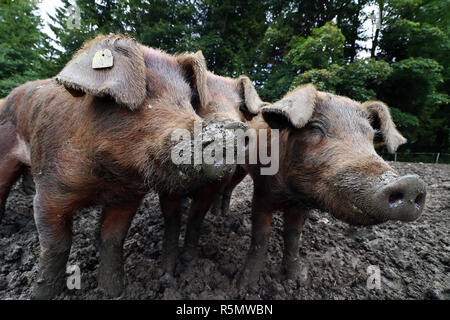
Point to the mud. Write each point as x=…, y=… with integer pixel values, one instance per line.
x=414, y=258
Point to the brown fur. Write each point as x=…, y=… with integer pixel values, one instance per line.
x=327, y=161
x=234, y=99
x=125, y=81
x=297, y=105
x=87, y=149
x=382, y=121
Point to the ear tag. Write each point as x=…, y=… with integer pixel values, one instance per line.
x=102, y=59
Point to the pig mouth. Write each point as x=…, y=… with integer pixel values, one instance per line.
x=352, y=212
x=354, y=215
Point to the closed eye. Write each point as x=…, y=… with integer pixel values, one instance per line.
x=317, y=127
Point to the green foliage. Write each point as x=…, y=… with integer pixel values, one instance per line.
x=22, y=54
x=96, y=17
x=229, y=32
x=413, y=87
x=359, y=80
x=324, y=79
x=324, y=47
x=404, y=120
x=404, y=38
x=279, y=44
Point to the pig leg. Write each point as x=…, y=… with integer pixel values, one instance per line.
x=10, y=171
x=293, y=224
x=54, y=225
x=216, y=207
x=261, y=221
x=10, y=167
x=221, y=204
x=200, y=204
x=114, y=226
x=171, y=209
x=226, y=199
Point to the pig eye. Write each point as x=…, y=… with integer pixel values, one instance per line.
x=317, y=128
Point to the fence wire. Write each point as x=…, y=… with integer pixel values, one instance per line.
x=430, y=157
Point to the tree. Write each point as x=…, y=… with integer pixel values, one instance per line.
x=324, y=47
x=22, y=44
x=415, y=40
x=72, y=28
x=412, y=87
x=164, y=24
x=297, y=19
x=229, y=33
x=279, y=44
x=359, y=80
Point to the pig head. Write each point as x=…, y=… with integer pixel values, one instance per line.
x=328, y=160
x=140, y=81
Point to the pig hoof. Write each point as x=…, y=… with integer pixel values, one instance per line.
x=46, y=290
x=225, y=207
x=246, y=280
x=190, y=253
x=169, y=262
x=288, y=274
x=111, y=284
x=216, y=208
x=289, y=270
x=168, y=280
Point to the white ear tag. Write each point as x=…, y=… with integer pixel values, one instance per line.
x=102, y=59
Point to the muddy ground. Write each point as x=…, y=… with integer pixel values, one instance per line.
x=414, y=258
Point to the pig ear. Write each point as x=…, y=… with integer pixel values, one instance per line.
x=194, y=66
x=252, y=100
x=108, y=66
x=381, y=120
x=296, y=107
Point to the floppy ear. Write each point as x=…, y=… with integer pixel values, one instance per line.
x=194, y=66
x=296, y=107
x=251, y=98
x=108, y=66
x=381, y=120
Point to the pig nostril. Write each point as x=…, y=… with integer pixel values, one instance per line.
x=395, y=199
x=418, y=202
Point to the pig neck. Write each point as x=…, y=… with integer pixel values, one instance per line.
x=274, y=190
x=265, y=185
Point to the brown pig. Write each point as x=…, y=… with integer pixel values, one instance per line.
x=234, y=99
x=326, y=161
x=100, y=133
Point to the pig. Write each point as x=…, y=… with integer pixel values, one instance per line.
x=99, y=133
x=234, y=99
x=327, y=161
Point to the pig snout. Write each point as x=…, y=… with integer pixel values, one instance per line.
x=223, y=131
x=402, y=199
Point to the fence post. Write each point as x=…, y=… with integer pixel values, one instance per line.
x=395, y=156
x=437, y=157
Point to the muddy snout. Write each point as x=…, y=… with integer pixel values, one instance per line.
x=220, y=148
x=402, y=199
